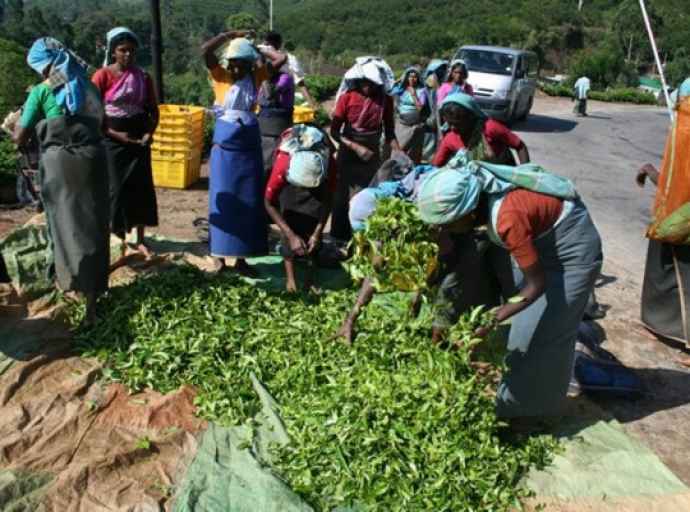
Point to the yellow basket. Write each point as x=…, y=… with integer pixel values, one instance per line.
x=183, y=115
x=175, y=169
x=303, y=114
x=181, y=128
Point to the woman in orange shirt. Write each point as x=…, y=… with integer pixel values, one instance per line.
x=540, y=219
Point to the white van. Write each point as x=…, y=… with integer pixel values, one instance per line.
x=504, y=79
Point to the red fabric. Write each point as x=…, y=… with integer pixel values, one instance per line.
x=497, y=135
x=278, y=178
x=450, y=144
x=500, y=137
x=104, y=79
x=522, y=217
x=379, y=109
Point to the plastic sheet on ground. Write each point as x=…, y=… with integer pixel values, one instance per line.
x=230, y=469
x=71, y=443
x=601, y=465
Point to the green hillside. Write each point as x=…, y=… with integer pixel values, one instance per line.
x=328, y=34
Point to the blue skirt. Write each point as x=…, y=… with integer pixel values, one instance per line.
x=237, y=219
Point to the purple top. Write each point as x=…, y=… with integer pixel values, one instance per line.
x=284, y=92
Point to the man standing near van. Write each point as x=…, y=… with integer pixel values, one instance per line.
x=581, y=89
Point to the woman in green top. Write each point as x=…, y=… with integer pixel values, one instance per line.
x=67, y=114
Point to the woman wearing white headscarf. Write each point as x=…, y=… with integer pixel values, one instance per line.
x=67, y=114
x=364, y=111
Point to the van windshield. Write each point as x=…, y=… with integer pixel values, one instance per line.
x=485, y=61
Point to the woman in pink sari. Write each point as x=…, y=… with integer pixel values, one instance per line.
x=131, y=110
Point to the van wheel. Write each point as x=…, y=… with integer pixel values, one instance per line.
x=524, y=115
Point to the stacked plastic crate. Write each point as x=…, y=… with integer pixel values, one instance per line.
x=177, y=144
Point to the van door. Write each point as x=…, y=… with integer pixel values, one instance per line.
x=521, y=86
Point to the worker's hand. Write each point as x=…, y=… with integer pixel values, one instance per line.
x=10, y=122
x=314, y=243
x=482, y=332
x=146, y=140
x=365, y=154
x=642, y=174
x=297, y=245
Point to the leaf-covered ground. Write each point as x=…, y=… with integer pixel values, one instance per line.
x=391, y=423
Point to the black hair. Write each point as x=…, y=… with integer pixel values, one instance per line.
x=123, y=38
x=274, y=39
x=453, y=112
x=463, y=69
x=289, y=46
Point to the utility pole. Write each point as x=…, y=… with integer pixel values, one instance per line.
x=157, y=48
x=270, y=15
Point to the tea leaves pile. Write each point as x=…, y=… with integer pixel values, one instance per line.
x=391, y=423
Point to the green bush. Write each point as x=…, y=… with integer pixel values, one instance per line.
x=15, y=77
x=557, y=90
x=605, y=67
x=190, y=88
x=624, y=95
x=617, y=95
x=8, y=161
x=322, y=87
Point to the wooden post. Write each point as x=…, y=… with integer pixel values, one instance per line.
x=157, y=49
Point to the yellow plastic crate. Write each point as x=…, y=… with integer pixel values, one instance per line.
x=182, y=114
x=175, y=169
x=303, y=114
x=181, y=128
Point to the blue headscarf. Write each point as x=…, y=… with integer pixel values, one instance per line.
x=363, y=204
x=111, y=37
x=67, y=77
x=438, y=67
x=466, y=101
x=453, y=191
x=680, y=93
x=401, y=86
x=684, y=89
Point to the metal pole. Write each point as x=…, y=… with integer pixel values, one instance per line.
x=270, y=15
x=157, y=48
x=645, y=16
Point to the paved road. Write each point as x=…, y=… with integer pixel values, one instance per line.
x=601, y=153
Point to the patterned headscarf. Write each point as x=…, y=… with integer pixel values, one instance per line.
x=67, y=78
x=309, y=155
x=453, y=191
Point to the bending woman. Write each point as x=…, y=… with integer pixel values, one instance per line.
x=468, y=127
x=67, y=113
x=131, y=110
x=540, y=219
x=411, y=111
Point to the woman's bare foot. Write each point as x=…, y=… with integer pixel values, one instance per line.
x=145, y=250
